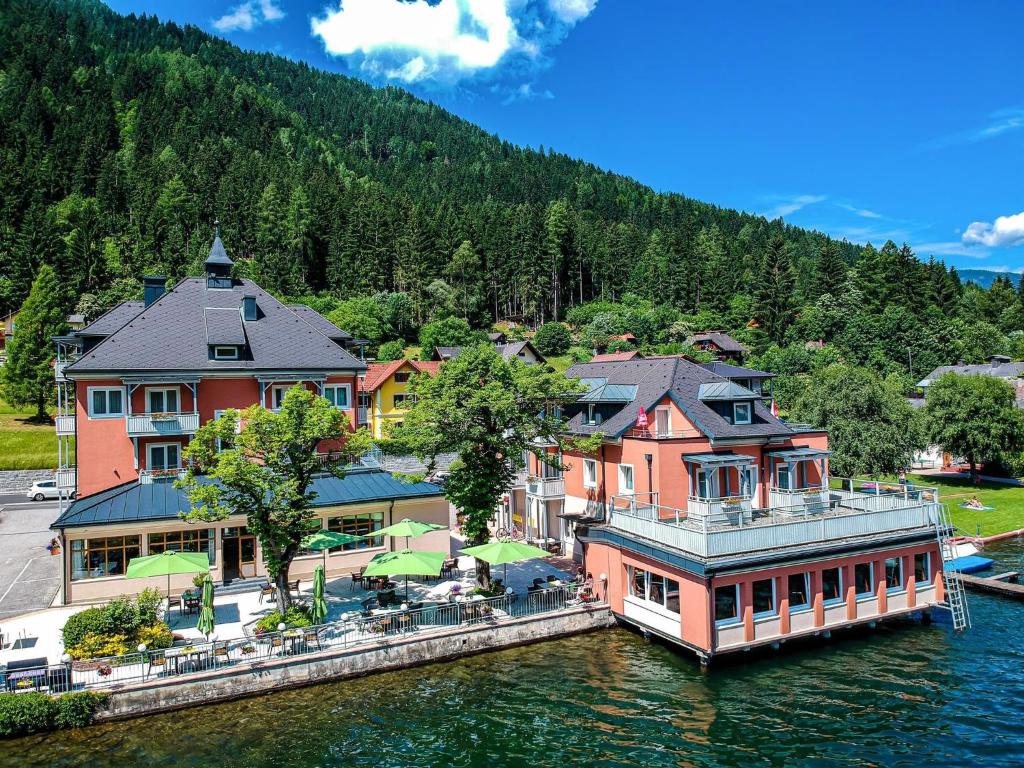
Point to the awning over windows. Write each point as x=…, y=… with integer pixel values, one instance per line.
x=712, y=460
x=799, y=454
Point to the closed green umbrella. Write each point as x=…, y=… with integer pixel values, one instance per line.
x=319, y=604
x=167, y=563
x=324, y=540
x=206, y=621
x=505, y=552
x=406, y=563
x=409, y=529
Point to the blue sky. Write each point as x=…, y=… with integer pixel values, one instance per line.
x=869, y=120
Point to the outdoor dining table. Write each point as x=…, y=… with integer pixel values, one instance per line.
x=195, y=655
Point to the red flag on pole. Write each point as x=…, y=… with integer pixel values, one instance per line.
x=641, y=418
x=775, y=408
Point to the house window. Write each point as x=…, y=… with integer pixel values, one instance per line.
x=703, y=484
x=358, y=525
x=163, y=456
x=831, y=584
x=764, y=597
x=864, y=578
x=106, y=402
x=589, y=473
x=189, y=540
x=404, y=399
x=401, y=377
x=339, y=395
x=654, y=588
x=741, y=413
x=162, y=400
x=277, y=397
x=799, y=589
x=922, y=568
x=727, y=603
x=894, y=573
x=671, y=595
x=225, y=353
x=748, y=481
x=638, y=583
x=96, y=558
x=626, y=479
x=365, y=399
x=662, y=422
x=782, y=477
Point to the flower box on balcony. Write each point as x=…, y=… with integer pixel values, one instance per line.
x=163, y=416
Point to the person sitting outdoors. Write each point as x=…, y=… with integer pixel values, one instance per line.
x=973, y=503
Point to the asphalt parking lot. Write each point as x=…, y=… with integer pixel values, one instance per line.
x=29, y=574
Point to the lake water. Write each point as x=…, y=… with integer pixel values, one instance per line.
x=907, y=696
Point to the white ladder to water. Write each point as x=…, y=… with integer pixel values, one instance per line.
x=956, y=600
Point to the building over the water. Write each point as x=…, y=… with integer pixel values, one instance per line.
x=707, y=521
x=135, y=385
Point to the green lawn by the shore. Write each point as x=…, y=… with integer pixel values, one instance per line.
x=1007, y=502
x=24, y=445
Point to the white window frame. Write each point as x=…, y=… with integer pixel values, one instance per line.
x=164, y=391
x=218, y=348
x=623, y=491
x=735, y=413
x=107, y=390
x=903, y=576
x=283, y=389
x=149, y=455
x=780, y=469
x=927, y=567
x=871, y=578
x=842, y=596
x=668, y=421
x=775, y=598
x=739, y=606
x=706, y=476
x=750, y=472
x=589, y=473
x=348, y=396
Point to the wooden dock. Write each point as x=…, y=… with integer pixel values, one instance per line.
x=1004, y=584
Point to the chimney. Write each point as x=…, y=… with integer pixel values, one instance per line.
x=249, y=308
x=152, y=288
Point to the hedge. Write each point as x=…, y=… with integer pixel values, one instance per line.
x=25, y=713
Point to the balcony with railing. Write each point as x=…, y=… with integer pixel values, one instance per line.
x=158, y=424
x=809, y=499
x=857, y=509
x=151, y=476
x=65, y=425
x=362, y=415
x=729, y=509
x=546, y=487
x=67, y=478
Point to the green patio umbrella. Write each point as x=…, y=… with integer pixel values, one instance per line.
x=505, y=552
x=406, y=563
x=323, y=540
x=407, y=528
x=206, y=621
x=319, y=604
x=167, y=563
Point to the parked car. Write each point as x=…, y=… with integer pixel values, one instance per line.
x=46, y=489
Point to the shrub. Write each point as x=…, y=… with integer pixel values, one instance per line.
x=122, y=616
x=148, y=603
x=91, y=620
x=99, y=646
x=295, y=616
x=25, y=713
x=579, y=354
x=448, y=332
x=156, y=636
x=552, y=339
x=620, y=346
x=391, y=350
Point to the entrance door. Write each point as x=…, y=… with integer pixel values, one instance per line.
x=239, y=554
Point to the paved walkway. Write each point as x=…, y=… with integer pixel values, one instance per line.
x=29, y=574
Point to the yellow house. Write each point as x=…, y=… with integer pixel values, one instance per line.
x=383, y=392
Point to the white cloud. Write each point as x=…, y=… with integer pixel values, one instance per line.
x=241, y=17
x=999, y=122
x=1004, y=231
x=950, y=248
x=862, y=212
x=271, y=11
x=526, y=92
x=446, y=41
x=788, y=205
x=248, y=16
x=571, y=11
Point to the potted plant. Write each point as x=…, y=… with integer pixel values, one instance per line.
x=248, y=649
x=104, y=670
x=163, y=416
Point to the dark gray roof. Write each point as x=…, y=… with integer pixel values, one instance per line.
x=170, y=335
x=447, y=353
x=321, y=323
x=679, y=379
x=224, y=326
x=507, y=351
x=723, y=341
x=135, y=502
x=730, y=371
x=724, y=390
x=112, y=320
x=218, y=255
x=998, y=368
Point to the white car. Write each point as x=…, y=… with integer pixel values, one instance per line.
x=46, y=489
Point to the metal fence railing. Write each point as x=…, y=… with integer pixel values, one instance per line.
x=361, y=630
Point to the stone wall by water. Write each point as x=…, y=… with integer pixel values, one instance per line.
x=20, y=480
x=160, y=695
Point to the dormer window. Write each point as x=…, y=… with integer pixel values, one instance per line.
x=225, y=352
x=742, y=413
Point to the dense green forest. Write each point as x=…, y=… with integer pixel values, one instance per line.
x=125, y=137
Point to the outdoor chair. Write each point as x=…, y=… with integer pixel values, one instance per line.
x=293, y=587
x=157, y=660
x=358, y=578
x=268, y=590
x=311, y=637
x=405, y=621
x=221, y=653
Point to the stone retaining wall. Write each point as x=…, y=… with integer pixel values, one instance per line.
x=165, y=694
x=20, y=480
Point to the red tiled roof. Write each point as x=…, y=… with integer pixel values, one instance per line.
x=614, y=357
x=622, y=337
x=378, y=373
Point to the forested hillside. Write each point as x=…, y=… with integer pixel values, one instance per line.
x=125, y=137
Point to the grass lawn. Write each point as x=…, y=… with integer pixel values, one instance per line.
x=24, y=445
x=1007, y=500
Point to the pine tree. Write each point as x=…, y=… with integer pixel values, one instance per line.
x=773, y=297
x=27, y=378
x=830, y=275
